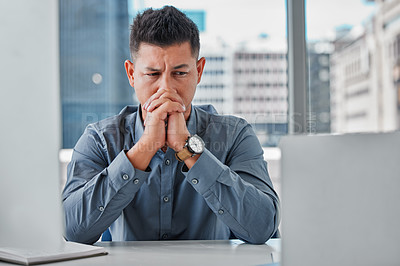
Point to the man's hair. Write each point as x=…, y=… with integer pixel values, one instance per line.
x=163, y=27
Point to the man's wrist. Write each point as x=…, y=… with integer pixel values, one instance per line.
x=194, y=146
x=191, y=161
x=178, y=145
x=147, y=146
x=141, y=154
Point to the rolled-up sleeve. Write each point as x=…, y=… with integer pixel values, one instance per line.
x=97, y=190
x=239, y=191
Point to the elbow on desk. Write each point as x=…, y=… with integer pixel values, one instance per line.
x=262, y=235
x=259, y=239
x=71, y=235
x=259, y=235
x=80, y=240
x=78, y=229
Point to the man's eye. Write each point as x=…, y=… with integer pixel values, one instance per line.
x=153, y=74
x=180, y=73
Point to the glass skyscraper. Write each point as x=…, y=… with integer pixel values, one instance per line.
x=94, y=43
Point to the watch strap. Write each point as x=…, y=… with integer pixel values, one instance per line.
x=183, y=154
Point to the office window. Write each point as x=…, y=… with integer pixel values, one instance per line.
x=244, y=44
x=245, y=53
x=94, y=37
x=353, y=65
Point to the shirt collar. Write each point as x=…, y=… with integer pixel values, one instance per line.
x=191, y=123
x=139, y=128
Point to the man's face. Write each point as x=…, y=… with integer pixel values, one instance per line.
x=172, y=67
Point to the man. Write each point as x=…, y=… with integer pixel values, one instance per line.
x=167, y=169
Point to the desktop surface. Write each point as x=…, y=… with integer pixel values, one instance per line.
x=182, y=252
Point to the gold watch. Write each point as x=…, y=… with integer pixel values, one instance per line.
x=194, y=145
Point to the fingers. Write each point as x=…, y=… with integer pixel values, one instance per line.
x=157, y=103
x=164, y=107
x=152, y=97
x=162, y=96
x=163, y=93
x=173, y=96
x=161, y=108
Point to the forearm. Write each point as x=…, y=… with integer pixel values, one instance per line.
x=250, y=210
x=249, y=213
x=92, y=206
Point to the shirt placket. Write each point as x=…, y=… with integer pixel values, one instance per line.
x=167, y=177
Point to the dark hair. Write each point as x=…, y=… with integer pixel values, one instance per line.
x=163, y=27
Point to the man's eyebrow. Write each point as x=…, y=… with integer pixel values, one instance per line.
x=181, y=66
x=157, y=69
x=152, y=69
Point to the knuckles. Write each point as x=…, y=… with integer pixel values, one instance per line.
x=165, y=108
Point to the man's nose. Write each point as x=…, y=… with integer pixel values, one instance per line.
x=165, y=82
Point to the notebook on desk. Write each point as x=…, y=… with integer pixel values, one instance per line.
x=341, y=199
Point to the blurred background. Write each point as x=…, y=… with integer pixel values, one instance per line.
x=353, y=58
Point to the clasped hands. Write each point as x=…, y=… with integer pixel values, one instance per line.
x=164, y=126
x=165, y=120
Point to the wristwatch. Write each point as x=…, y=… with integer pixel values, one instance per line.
x=194, y=145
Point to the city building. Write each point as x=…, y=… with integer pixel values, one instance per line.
x=364, y=74
x=249, y=81
x=94, y=43
x=319, y=87
x=353, y=91
x=260, y=88
x=216, y=83
x=387, y=28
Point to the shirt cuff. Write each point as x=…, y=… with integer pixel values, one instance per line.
x=205, y=172
x=122, y=172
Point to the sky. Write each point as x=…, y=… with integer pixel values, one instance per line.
x=235, y=21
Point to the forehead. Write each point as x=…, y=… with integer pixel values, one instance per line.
x=173, y=54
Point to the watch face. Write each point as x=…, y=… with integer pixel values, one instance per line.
x=196, y=144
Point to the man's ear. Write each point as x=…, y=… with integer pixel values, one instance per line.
x=200, y=67
x=130, y=69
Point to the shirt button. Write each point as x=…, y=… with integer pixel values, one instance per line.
x=164, y=236
x=221, y=211
x=125, y=177
x=195, y=181
x=167, y=162
x=166, y=199
x=101, y=208
x=136, y=181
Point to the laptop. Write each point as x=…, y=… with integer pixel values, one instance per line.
x=341, y=199
x=31, y=220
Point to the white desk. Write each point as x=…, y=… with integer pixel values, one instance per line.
x=189, y=252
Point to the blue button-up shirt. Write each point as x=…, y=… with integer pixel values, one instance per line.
x=226, y=193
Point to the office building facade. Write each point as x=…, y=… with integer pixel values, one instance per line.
x=353, y=102
x=364, y=75
x=250, y=82
x=260, y=92
x=94, y=43
x=216, y=83
x=319, y=87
